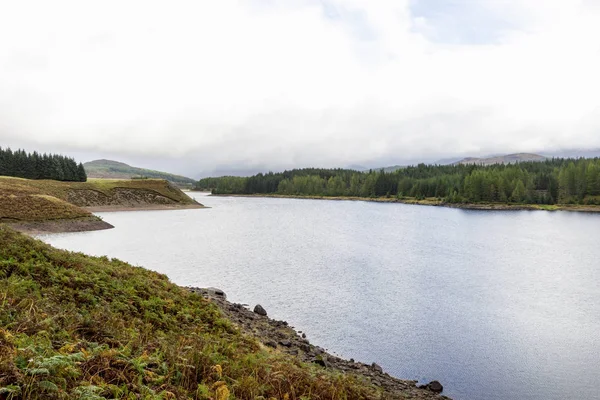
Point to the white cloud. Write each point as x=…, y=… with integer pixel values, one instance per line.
x=279, y=84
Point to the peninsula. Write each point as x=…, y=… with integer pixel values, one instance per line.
x=56, y=206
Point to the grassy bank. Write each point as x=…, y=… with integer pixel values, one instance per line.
x=66, y=190
x=47, y=205
x=37, y=207
x=435, y=202
x=80, y=327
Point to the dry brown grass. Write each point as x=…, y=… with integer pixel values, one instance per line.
x=42, y=200
x=19, y=186
x=36, y=207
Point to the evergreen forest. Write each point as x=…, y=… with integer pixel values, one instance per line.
x=21, y=164
x=554, y=181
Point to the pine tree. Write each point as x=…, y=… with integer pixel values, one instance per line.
x=81, y=174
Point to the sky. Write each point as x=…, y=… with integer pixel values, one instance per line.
x=198, y=87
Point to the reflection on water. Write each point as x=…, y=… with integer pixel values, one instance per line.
x=495, y=305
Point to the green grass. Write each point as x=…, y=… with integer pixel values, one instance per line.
x=80, y=327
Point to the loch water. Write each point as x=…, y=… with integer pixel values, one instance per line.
x=493, y=304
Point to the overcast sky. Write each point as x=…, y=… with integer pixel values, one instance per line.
x=195, y=86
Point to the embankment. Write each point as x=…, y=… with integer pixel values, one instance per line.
x=51, y=206
x=281, y=337
x=74, y=326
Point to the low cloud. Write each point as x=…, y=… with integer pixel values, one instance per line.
x=254, y=84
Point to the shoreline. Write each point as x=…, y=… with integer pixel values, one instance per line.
x=88, y=224
x=144, y=207
x=436, y=203
x=280, y=336
x=60, y=226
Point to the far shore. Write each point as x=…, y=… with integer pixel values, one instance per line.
x=436, y=203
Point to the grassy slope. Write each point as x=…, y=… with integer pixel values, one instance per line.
x=43, y=200
x=9, y=185
x=38, y=207
x=80, y=327
x=113, y=169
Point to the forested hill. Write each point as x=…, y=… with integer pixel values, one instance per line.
x=108, y=169
x=34, y=165
x=555, y=181
x=506, y=159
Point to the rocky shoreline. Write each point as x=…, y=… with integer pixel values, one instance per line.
x=279, y=336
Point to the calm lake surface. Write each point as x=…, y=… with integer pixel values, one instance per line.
x=495, y=305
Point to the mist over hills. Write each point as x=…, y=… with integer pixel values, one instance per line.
x=109, y=169
x=505, y=159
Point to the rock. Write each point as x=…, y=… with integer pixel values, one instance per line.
x=304, y=336
x=271, y=343
x=305, y=347
x=209, y=292
x=435, y=386
x=376, y=367
x=258, y=309
x=215, y=292
x=285, y=343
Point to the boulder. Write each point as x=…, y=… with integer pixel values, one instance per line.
x=433, y=386
x=258, y=309
x=376, y=367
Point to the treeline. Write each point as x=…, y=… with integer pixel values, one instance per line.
x=564, y=181
x=40, y=166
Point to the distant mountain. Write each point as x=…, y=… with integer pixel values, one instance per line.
x=392, y=168
x=574, y=153
x=506, y=159
x=108, y=169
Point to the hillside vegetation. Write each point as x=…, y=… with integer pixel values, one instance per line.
x=37, y=207
x=108, y=169
x=48, y=205
x=550, y=182
x=80, y=327
x=95, y=191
